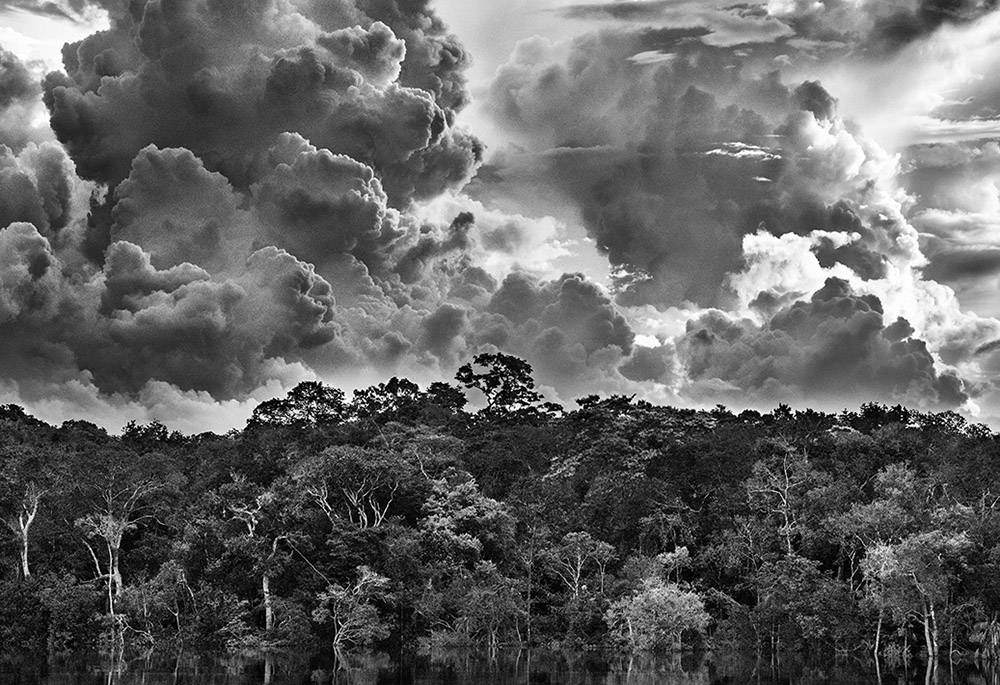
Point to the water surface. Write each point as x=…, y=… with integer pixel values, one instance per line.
x=464, y=668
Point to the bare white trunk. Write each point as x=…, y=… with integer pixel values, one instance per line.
x=265, y=585
x=927, y=632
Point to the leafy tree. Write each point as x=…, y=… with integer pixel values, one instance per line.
x=800, y=606
x=356, y=484
x=777, y=490
x=657, y=616
x=575, y=554
x=261, y=519
x=915, y=577
x=309, y=403
x=351, y=612
x=464, y=525
x=505, y=381
x=26, y=478
x=117, y=491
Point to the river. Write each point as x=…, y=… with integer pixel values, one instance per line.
x=465, y=668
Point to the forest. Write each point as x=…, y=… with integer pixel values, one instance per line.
x=398, y=516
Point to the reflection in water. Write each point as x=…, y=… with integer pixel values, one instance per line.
x=464, y=668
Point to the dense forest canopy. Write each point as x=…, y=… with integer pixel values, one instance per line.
x=397, y=516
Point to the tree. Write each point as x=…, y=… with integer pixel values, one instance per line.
x=777, y=490
x=462, y=525
x=799, y=605
x=915, y=576
x=398, y=398
x=262, y=514
x=118, y=488
x=506, y=382
x=358, y=484
x=351, y=612
x=310, y=403
x=657, y=616
x=25, y=479
x=574, y=554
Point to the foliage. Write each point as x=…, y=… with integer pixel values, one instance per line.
x=396, y=514
x=658, y=616
x=351, y=612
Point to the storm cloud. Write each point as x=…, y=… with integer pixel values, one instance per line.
x=831, y=346
x=686, y=158
x=224, y=81
x=236, y=197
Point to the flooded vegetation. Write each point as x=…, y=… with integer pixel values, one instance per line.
x=507, y=667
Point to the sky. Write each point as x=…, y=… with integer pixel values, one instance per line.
x=203, y=203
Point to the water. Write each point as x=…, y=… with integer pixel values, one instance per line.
x=463, y=668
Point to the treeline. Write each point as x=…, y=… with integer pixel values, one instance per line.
x=398, y=517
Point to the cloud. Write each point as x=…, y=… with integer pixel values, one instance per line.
x=682, y=159
x=878, y=27
x=21, y=109
x=74, y=10
x=825, y=351
x=714, y=23
x=225, y=82
x=182, y=327
x=38, y=185
x=570, y=330
x=243, y=196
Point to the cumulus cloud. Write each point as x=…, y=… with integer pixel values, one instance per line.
x=224, y=81
x=22, y=113
x=245, y=196
x=687, y=157
x=828, y=349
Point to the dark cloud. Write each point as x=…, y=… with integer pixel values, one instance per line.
x=178, y=211
x=269, y=194
x=826, y=350
x=811, y=96
x=320, y=204
x=38, y=185
x=908, y=24
x=948, y=267
x=627, y=9
x=656, y=364
x=878, y=27
x=225, y=80
x=867, y=264
x=415, y=261
x=29, y=282
x=183, y=327
x=681, y=160
x=442, y=330
x=16, y=82
x=568, y=328
x=377, y=54
x=436, y=60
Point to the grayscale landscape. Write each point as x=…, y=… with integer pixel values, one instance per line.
x=563, y=341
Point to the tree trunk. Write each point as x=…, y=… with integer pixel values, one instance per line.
x=111, y=587
x=25, y=570
x=116, y=574
x=25, y=519
x=927, y=632
x=531, y=568
x=934, y=630
x=265, y=585
x=878, y=634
